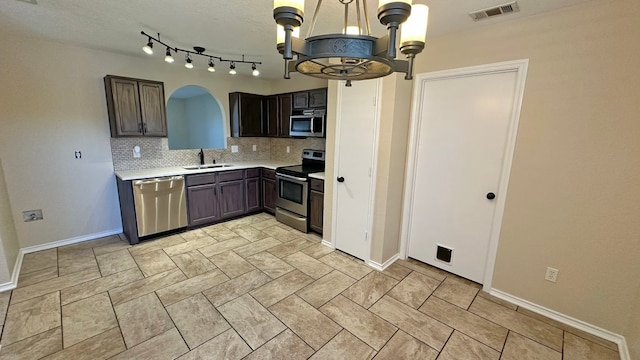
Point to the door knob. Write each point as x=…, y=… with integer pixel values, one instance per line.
x=491, y=196
x=340, y=179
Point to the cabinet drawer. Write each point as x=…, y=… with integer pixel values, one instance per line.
x=201, y=179
x=253, y=173
x=268, y=173
x=317, y=185
x=231, y=175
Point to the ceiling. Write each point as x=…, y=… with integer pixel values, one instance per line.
x=225, y=28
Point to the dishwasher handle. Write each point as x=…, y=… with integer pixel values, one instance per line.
x=158, y=180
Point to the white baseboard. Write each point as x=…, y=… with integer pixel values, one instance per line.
x=327, y=243
x=623, y=350
x=29, y=249
x=381, y=267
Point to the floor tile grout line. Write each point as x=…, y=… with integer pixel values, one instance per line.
x=517, y=332
x=119, y=327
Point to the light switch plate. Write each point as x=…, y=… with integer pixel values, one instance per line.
x=234, y=148
x=255, y=147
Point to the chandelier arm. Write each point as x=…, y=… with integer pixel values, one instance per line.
x=176, y=50
x=393, y=33
x=358, y=17
x=313, y=20
x=346, y=17
x=366, y=16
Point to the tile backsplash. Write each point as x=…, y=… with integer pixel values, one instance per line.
x=155, y=152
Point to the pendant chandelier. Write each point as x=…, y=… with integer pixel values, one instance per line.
x=353, y=54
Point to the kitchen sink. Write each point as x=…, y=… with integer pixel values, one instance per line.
x=208, y=166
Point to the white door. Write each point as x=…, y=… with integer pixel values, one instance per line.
x=356, y=125
x=463, y=137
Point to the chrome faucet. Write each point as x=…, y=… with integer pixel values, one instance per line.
x=201, y=154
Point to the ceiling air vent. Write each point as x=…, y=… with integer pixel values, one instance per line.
x=495, y=11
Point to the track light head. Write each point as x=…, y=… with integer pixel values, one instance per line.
x=168, y=58
x=148, y=48
x=187, y=62
x=211, y=67
x=255, y=71
x=232, y=68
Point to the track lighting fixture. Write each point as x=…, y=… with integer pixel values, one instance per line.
x=197, y=50
x=148, y=48
x=167, y=57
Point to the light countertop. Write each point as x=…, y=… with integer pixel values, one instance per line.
x=178, y=170
x=319, y=176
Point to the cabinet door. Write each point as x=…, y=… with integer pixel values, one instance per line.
x=252, y=187
x=231, y=197
x=152, y=108
x=269, y=195
x=124, y=107
x=301, y=100
x=250, y=115
x=203, y=204
x=318, y=98
x=273, y=114
x=316, y=199
x=284, y=107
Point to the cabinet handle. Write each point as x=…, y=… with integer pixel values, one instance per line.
x=139, y=127
x=145, y=128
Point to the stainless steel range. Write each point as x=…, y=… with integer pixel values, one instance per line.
x=292, y=207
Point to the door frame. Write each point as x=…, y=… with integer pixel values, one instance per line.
x=374, y=164
x=520, y=67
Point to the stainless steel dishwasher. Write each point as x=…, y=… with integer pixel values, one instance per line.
x=160, y=204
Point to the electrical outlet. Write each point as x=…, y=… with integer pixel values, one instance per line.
x=552, y=274
x=288, y=149
x=32, y=215
x=136, y=151
x=255, y=147
x=234, y=148
x=78, y=154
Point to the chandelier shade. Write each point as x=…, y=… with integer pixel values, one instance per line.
x=353, y=54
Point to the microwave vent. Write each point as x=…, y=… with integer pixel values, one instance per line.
x=508, y=8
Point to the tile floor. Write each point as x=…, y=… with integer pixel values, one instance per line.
x=253, y=288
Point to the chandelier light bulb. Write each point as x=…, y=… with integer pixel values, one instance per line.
x=352, y=30
x=211, y=67
x=255, y=71
x=415, y=28
x=188, y=64
x=148, y=48
x=385, y=2
x=168, y=58
x=232, y=69
x=298, y=4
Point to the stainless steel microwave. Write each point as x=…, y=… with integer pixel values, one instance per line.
x=309, y=124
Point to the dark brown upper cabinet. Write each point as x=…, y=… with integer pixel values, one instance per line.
x=278, y=115
x=246, y=114
x=309, y=99
x=135, y=107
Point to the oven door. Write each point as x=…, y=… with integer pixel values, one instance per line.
x=292, y=194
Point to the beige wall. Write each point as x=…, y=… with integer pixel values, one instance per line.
x=8, y=238
x=632, y=333
x=392, y=149
x=573, y=199
x=296, y=83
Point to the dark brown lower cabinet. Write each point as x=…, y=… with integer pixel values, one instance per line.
x=269, y=191
x=316, y=205
x=252, y=187
x=231, y=198
x=203, y=204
